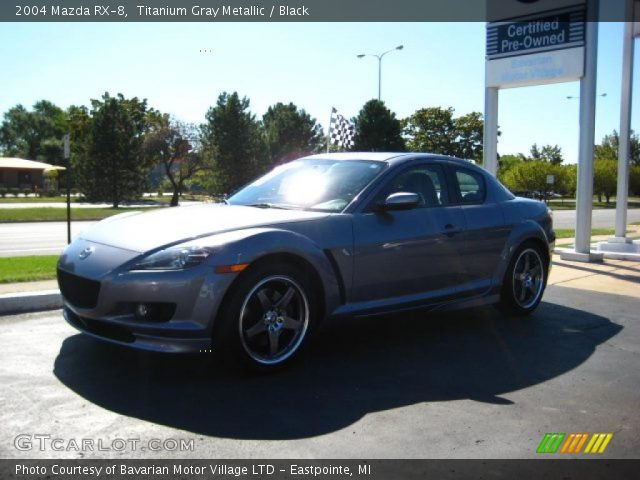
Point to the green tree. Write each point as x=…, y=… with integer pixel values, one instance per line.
x=378, y=129
x=548, y=153
x=113, y=166
x=469, y=130
x=506, y=162
x=435, y=130
x=233, y=139
x=431, y=130
x=634, y=180
x=531, y=176
x=605, y=173
x=608, y=148
x=571, y=182
x=80, y=123
x=36, y=134
x=290, y=133
x=174, y=145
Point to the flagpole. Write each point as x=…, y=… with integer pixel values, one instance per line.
x=329, y=128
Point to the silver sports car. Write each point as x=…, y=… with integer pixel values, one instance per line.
x=331, y=235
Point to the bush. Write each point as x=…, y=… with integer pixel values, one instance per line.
x=26, y=191
x=605, y=173
x=3, y=192
x=634, y=180
x=531, y=176
x=14, y=191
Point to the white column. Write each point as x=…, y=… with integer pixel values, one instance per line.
x=584, y=200
x=622, y=192
x=620, y=246
x=490, y=150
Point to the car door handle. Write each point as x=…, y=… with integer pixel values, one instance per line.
x=450, y=230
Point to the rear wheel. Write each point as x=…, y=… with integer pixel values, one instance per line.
x=269, y=316
x=525, y=280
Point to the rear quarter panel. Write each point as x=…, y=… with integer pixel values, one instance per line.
x=528, y=220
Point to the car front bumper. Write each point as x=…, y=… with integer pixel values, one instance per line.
x=101, y=298
x=123, y=334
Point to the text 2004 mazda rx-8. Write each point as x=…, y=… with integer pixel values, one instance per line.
x=325, y=236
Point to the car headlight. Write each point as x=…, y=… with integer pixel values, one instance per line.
x=175, y=258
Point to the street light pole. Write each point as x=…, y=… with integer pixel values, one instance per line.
x=67, y=156
x=379, y=57
x=379, y=77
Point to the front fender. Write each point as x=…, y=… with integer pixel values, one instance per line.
x=250, y=245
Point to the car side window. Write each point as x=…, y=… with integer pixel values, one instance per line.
x=470, y=185
x=427, y=181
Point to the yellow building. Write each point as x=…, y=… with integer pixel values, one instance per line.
x=23, y=174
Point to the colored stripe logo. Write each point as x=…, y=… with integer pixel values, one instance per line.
x=574, y=443
x=550, y=442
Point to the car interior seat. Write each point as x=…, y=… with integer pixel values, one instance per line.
x=422, y=184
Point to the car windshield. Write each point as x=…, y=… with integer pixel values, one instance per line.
x=323, y=185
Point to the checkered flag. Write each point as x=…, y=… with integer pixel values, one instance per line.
x=341, y=131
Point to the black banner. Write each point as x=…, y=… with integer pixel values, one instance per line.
x=263, y=11
x=319, y=469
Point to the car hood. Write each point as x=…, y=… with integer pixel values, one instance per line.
x=142, y=232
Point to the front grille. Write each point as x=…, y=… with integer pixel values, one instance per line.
x=78, y=291
x=100, y=328
x=108, y=330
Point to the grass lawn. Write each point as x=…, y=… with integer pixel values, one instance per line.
x=51, y=214
x=27, y=269
x=62, y=199
x=38, y=200
x=570, y=232
x=570, y=204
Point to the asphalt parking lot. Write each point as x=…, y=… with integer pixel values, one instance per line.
x=470, y=384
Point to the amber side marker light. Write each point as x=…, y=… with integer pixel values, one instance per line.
x=238, y=267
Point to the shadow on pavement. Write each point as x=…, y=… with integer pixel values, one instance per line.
x=353, y=367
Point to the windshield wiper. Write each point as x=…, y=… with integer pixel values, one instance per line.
x=266, y=205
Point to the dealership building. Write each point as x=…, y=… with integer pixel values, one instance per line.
x=23, y=174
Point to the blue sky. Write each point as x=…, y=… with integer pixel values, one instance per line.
x=311, y=64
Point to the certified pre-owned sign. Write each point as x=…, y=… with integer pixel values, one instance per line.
x=555, y=30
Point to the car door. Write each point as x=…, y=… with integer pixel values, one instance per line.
x=486, y=232
x=411, y=252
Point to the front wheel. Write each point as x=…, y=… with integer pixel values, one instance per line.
x=269, y=316
x=524, y=281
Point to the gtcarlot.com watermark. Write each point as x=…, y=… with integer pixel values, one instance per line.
x=45, y=443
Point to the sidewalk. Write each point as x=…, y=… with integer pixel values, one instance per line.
x=621, y=277
x=6, y=288
x=29, y=297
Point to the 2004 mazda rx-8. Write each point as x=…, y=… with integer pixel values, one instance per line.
x=324, y=236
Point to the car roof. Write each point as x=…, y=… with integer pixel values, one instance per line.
x=396, y=157
x=375, y=156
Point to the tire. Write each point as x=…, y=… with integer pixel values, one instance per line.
x=268, y=317
x=524, y=281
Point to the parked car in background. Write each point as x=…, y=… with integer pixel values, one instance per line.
x=330, y=235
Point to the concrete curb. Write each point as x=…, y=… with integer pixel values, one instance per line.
x=24, y=302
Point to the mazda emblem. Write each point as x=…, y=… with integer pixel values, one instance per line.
x=86, y=252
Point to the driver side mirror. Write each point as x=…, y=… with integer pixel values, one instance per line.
x=400, y=201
